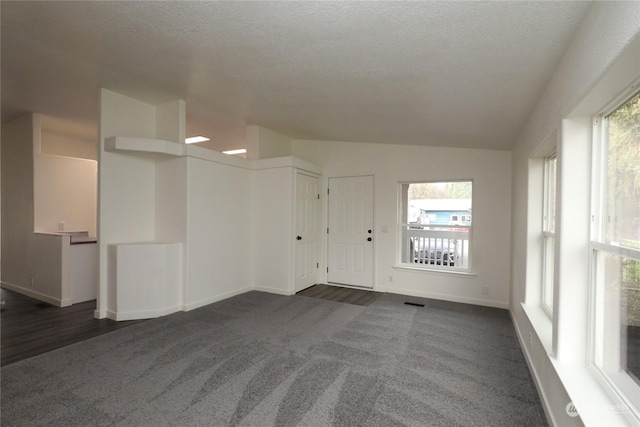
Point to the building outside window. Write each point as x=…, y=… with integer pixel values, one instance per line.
x=616, y=251
x=435, y=225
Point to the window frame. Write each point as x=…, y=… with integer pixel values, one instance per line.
x=604, y=353
x=549, y=202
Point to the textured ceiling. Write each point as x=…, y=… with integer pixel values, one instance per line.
x=461, y=74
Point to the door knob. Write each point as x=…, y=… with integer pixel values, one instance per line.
x=369, y=231
x=299, y=238
x=369, y=239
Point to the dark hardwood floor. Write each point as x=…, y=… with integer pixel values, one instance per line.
x=29, y=327
x=340, y=294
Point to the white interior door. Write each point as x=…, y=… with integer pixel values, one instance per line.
x=350, y=239
x=307, y=231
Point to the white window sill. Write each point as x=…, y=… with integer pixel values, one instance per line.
x=541, y=324
x=457, y=273
x=594, y=405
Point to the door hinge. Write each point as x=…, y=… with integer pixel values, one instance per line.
x=327, y=269
x=318, y=196
x=317, y=265
x=327, y=191
x=327, y=230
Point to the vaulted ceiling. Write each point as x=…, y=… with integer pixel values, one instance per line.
x=459, y=74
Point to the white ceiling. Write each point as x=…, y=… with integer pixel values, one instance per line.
x=461, y=74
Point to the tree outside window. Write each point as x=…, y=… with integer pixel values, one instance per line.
x=617, y=250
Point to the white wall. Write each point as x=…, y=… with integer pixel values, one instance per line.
x=126, y=202
x=272, y=222
x=49, y=268
x=17, y=197
x=233, y=217
x=604, y=35
x=391, y=164
x=83, y=272
x=146, y=280
x=189, y=195
x=33, y=264
x=65, y=190
x=63, y=145
x=263, y=143
x=65, y=184
x=220, y=237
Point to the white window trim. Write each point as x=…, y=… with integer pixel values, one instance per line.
x=546, y=220
x=545, y=288
x=548, y=233
x=620, y=387
x=618, y=384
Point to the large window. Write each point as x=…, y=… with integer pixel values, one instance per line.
x=435, y=226
x=549, y=233
x=616, y=249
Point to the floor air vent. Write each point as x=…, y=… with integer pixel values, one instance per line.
x=414, y=304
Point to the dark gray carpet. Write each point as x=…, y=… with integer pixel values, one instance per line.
x=260, y=359
x=340, y=294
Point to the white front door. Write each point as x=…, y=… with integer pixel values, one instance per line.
x=307, y=231
x=350, y=239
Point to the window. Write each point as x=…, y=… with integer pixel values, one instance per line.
x=460, y=218
x=548, y=233
x=435, y=225
x=616, y=250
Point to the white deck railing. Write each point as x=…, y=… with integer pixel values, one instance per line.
x=440, y=246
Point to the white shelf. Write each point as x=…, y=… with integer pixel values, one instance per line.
x=144, y=145
x=153, y=147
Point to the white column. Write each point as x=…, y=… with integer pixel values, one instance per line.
x=570, y=326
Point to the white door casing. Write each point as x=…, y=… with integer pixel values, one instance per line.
x=351, y=239
x=307, y=230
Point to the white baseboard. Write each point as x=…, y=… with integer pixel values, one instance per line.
x=216, y=298
x=277, y=291
x=142, y=314
x=464, y=300
x=186, y=307
x=65, y=302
